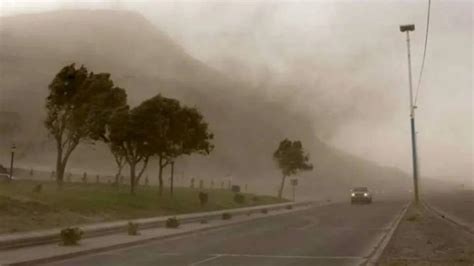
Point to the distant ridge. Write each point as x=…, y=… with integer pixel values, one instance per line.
x=145, y=61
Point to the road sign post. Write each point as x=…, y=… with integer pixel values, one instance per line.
x=294, y=183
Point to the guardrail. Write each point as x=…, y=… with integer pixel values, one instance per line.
x=18, y=240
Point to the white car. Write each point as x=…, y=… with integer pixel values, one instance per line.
x=361, y=194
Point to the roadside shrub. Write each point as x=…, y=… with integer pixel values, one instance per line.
x=255, y=198
x=226, y=216
x=132, y=229
x=289, y=207
x=264, y=211
x=38, y=188
x=172, y=223
x=239, y=198
x=203, y=198
x=71, y=236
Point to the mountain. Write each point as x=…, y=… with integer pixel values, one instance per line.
x=145, y=61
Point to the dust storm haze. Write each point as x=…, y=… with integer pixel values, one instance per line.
x=332, y=73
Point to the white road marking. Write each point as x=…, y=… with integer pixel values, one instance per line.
x=380, y=244
x=170, y=254
x=205, y=260
x=291, y=257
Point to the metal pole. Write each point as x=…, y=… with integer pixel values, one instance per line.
x=412, y=124
x=11, y=162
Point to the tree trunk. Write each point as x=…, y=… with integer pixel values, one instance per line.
x=280, y=192
x=119, y=173
x=160, y=176
x=60, y=173
x=120, y=161
x=172, y=179
x=59, y=166
x=132, y=178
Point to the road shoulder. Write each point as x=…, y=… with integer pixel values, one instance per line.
x=424, y=238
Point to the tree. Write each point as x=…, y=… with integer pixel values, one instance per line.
x=189, y=134
x=79, y=106
x=291, y=159
x=175, y=131
x=157, y=123
x=129, y=137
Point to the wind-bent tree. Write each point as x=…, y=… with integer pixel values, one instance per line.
x=79, y=106
x=175, y=130
x=129, y=136
x=161, y=112
x=189, y=134
x=291, y=159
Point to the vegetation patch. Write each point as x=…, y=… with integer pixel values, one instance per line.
x=172, y=223
x=132, y=229
x=203, y=198
x=239, y=198
x=22, y=210
x=226, y=216
x=71, y=236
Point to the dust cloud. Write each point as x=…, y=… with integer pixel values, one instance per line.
x=334, y=73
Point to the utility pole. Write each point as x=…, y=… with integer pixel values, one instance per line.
x=407, y=29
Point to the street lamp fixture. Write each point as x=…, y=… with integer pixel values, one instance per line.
x=408, y=27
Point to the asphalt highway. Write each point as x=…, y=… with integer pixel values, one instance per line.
x=336, y=234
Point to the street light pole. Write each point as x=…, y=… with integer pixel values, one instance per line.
x=407, y=29
x=11, y=161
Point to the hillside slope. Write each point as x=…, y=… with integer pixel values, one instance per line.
x=145, y=61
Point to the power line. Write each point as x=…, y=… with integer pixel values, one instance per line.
x=424, y=51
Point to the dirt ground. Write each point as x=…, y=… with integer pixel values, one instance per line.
x=424, y=238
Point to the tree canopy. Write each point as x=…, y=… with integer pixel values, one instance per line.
x=159, y=127
x=130, y=138
x=79, y=106
x=175, y=130
x=291, y=159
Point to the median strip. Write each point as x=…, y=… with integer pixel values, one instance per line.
x=53, y=252
x=101, y=229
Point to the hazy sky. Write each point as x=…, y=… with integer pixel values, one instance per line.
x=349, y=53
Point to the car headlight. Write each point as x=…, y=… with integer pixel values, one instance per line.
x=366, y=194
x=353, y=194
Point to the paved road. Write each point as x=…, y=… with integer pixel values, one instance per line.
x=338, y=234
